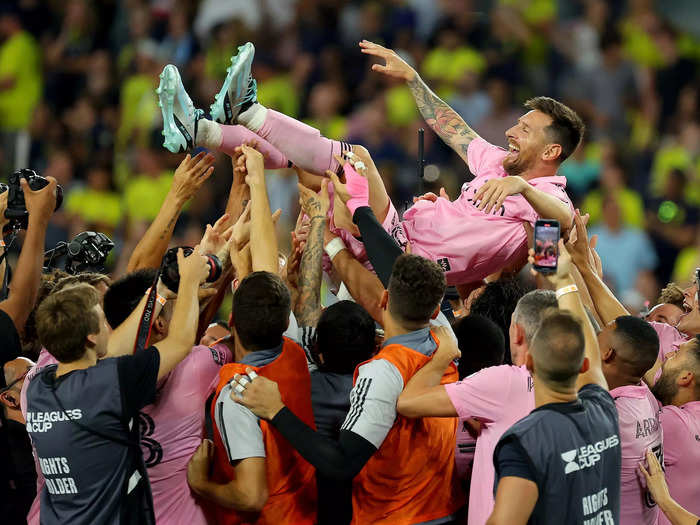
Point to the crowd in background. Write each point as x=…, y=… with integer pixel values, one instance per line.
x=81, y=104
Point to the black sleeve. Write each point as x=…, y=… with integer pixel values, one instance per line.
x=138, y=375
x=10, y=346
x=381, y=249
x=511, y=460
x=342, y=459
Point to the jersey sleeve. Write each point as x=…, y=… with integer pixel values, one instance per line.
x=479, y=395
x=239, y=428
x=206, y=363
x=138, y=374
x=373, y=401
x=483, y=157
x=510, y=459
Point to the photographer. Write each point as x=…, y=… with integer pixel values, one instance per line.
x=25, y=284
x=80, y=413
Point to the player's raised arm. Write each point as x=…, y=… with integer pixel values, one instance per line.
x=444, y=121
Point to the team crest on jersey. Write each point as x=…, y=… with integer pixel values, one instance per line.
x=444, y=263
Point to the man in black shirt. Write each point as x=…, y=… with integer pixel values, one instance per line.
x=80, y=413
x=561, y=464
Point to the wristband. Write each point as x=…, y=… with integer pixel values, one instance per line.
x=162, y=300
x=333, y=247
x=565, y=290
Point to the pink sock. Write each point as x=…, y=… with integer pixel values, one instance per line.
x=302, y=144
x=233, y=136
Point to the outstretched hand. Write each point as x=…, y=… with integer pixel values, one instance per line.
x=563, y=272
x=394, y=65
x=494, y=192
x=191, y=174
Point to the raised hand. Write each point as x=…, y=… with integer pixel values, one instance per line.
x=215, y=239
x=40, y=203
x=394, y=65
x=254, y=165
x=194, y=267
x=191, y=174
x=315, y=205
x=430, y=196
x=563, y=272
x=447, y=350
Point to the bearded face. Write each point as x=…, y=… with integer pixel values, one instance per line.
x=526, y=141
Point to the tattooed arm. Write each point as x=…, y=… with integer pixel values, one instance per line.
x=189, y=177
x=443, y=120
x=308, y=307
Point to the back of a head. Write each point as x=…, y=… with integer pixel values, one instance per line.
x=345, y=335
x=497, y=303
x=64, y=320
x=125, y=294
x=637, y=344
x=416, y=288
x=566, y=128
x=557, y=350
x=261, y=306
x=530, y=309
x=91, y=278
x=481, y=342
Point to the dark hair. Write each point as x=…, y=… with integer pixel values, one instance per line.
x=65, y=319
x=125, y=294
x=30, y=339
x=566, y=128
x=416, y=287
x=639, y=343
x=497, y=303
x=558, y=349
x=345, y=335
x=481, y=342
x=261, y=306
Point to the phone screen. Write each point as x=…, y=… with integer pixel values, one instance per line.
x=546, y=244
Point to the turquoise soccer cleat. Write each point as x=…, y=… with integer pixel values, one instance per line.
x=180, y=117
x=239, y=89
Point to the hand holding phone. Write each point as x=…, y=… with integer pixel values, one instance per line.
x=546, y=245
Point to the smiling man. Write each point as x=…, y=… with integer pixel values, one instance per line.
x=479, y=233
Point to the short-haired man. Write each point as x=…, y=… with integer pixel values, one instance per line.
x=678, y=389
x=561, y=463
x=472, y=237
x=629, y=347
x=256, y=475
x=404, y=469
x=669, y=306
x=81, y=413
x=497, y=397
x=172, y=427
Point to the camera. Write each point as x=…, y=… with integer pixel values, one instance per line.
x=86, y=253
x=16, y=210
x=170, y=273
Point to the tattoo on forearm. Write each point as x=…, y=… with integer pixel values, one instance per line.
x=445, y=121
x=168, y=230
x=308, y=306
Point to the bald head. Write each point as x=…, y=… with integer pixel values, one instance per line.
x=557, y=350
x=15, y=368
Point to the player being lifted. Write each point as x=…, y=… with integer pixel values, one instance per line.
x=475, y=235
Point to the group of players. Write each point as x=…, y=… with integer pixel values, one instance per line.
x=312, y=423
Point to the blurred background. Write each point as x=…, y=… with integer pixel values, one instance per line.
x=77, y=102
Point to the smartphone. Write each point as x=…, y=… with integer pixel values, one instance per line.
x=546, y=245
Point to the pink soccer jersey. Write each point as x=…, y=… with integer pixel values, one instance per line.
x=681, y=426
x=173, y=427
x=640, y=429
x=669, y=341
x=497, y=396
x=468, y=243
x=464, y=451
